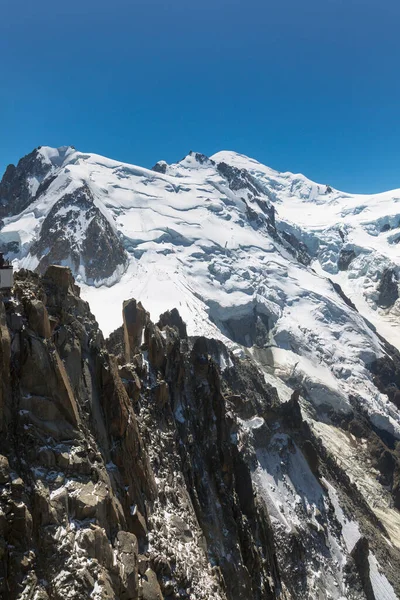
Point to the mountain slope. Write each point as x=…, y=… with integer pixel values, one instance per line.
x=208, y=236
x=297, y=279
x=352, y=238
x=165, y=469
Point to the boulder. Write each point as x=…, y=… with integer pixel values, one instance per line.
x=151, y=587
x=59, y=504
x=94, y=540
x=88, y=501
x=128, y=562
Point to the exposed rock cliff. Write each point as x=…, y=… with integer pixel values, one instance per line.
x=86, y=509
x=75, y=232
x=22, y=183
x=154, y=467
x=68, y=435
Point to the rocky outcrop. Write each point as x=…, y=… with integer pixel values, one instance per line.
x=134, y=469
x=212, y=476
x=388, y=289
x=120, y=481
x=345, y=258
x=75, y=232
x=17, y=187
x=239, y=179
x=160, y=167
x=68, y=486
x=135, y=318
x=386, y=371
x=360, y=554
x=172, y=318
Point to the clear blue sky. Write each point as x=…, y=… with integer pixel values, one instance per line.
x=309, y=86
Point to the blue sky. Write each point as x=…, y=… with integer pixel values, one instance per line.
x=309, y=86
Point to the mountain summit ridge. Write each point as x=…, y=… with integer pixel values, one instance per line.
x=248, y=255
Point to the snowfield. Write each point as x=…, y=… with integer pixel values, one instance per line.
x=329, y=221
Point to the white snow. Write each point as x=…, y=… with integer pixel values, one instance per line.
x=382, y=588
x=328, y=222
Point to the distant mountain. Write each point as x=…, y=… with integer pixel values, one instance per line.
x=199, y=206
x=295, y=281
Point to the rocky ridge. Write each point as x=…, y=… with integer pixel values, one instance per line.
x=245, y=447
x=153, y=465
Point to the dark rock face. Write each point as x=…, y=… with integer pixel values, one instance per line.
x=388, y=289
x=135, y=318
x=202, y=158
x=345, y=258
x=386, y=370
x=240, y=179
x=360, y=555
x=160, y=167
x=248, y=330
x=15, y=192
x=83, y=502
x=301, y=250
x=343, y=296
x=233, y=524
x=76, y=232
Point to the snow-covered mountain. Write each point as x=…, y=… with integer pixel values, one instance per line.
x=245, y=253
x=298, y=277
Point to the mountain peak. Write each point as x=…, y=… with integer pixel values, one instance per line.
x=55, y=156
x=195, y=160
